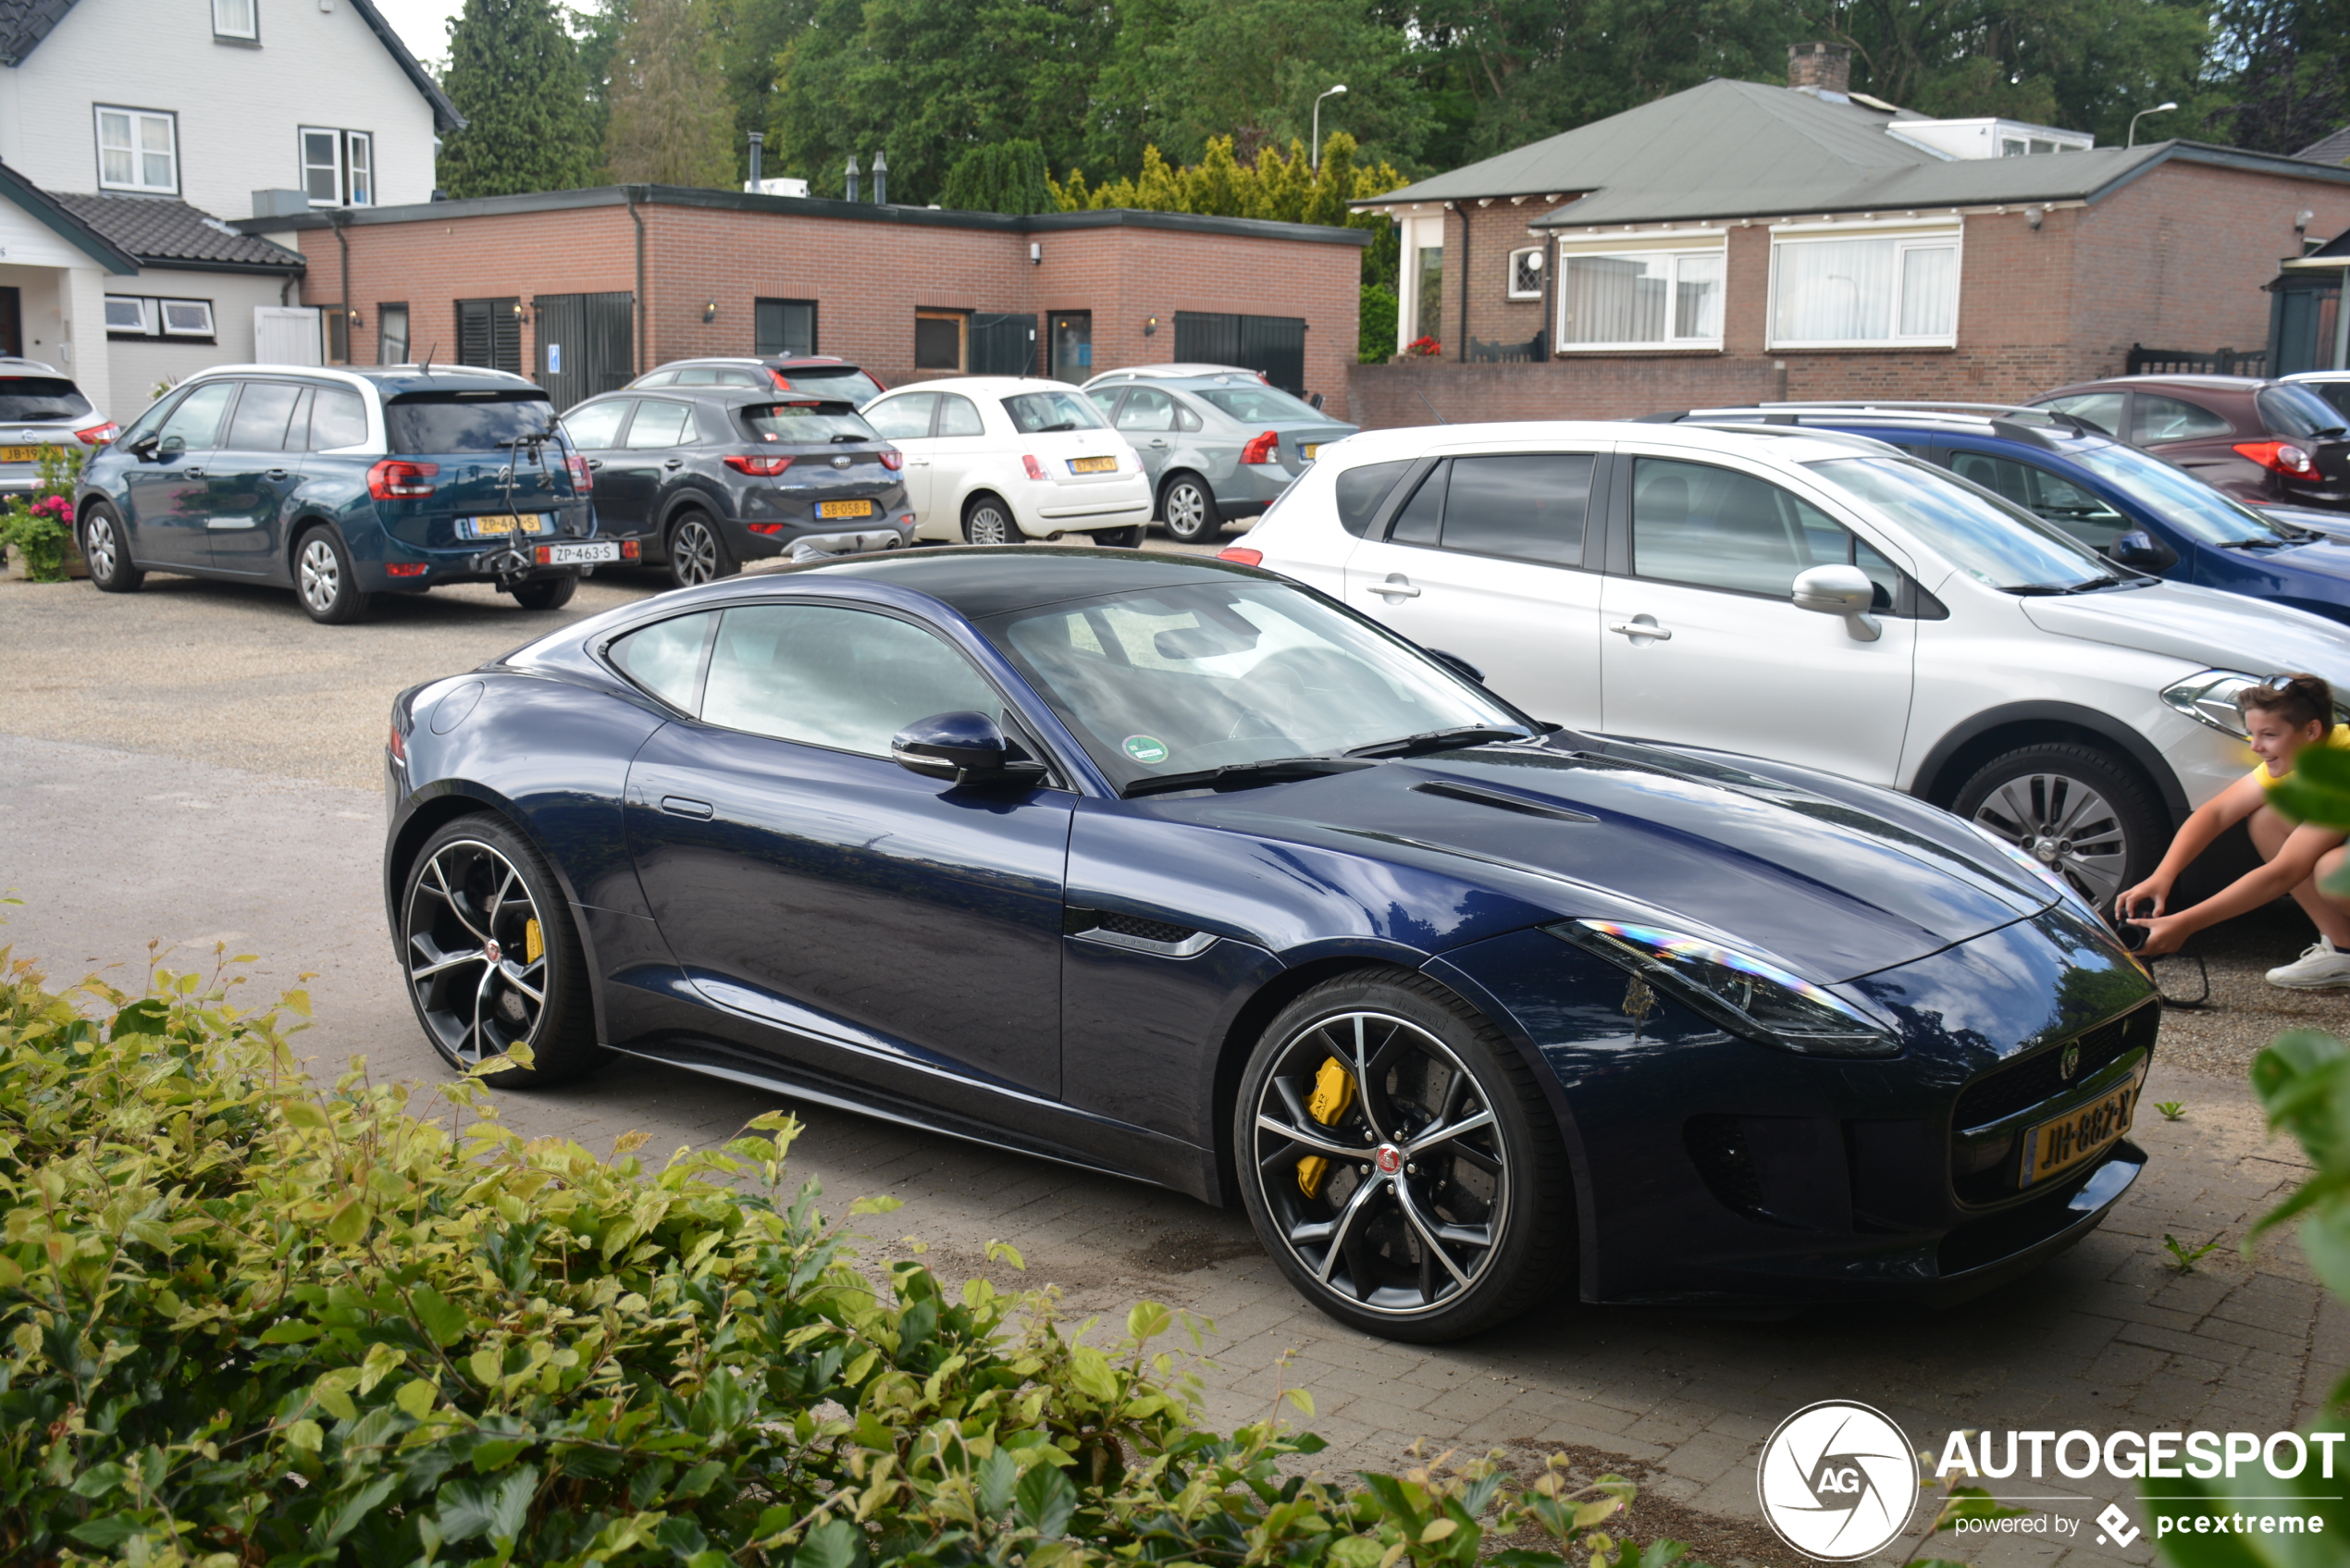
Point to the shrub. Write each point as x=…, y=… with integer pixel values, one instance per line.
x=38, y=524
x=248, y=1319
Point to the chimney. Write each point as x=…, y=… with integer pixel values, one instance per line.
x=1820, y=68
x=852, y=177
x=758, y=150
x=881, y=180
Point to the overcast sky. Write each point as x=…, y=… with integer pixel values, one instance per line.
x=422, y=24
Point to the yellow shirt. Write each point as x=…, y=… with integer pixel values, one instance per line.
x=2338, y=738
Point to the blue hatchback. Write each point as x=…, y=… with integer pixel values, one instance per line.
x=2128, y=505
x=342, y=484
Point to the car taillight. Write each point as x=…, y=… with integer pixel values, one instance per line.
x=764, y=466
x=892, y=460
x=583, y=478
x=394, y=480
x=631, y=550
x=2281, y=456
x=1261, y=449
x=398, y=743
x=1035, y=469
x=1242, y=554
x=406, y=568
x=768, y=528
x=98, y=434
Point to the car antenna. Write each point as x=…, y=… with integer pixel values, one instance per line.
x=428, y=354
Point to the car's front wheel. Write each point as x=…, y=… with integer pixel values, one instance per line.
x=2082, y=812
x=325, y=581
x=492, y=958
x=1400, y=1162
x=107, y=553
x=1187, y=508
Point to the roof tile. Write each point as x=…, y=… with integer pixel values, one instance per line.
x=156, y=229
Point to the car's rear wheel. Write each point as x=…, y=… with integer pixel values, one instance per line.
x=1399, y=1160
x=1128, y=537
x=323, y=580
x=106, y=551
x=988, y=521
x=492, y=958
x=1188, y=507
x=697, y=553
x=2083, y=813
x=546, y=593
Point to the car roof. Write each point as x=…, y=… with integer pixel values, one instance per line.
x=1171, y=372
x=994, y=386
x=2033, y=426
x=765, y=362
x=390, y=380
x=2209, y=383
x=13, y=362
x=730, y=396
x=1786, y=443
x=981, y=581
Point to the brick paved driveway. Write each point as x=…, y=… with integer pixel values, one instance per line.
x=183, y=765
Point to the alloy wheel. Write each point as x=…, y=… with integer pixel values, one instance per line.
x=2067, y=826
x=693, y=553
x=476, y=950
x=1186, y=512
x=98, y=548
x=319, y=575
x=1379, y=1159
x=988, y=525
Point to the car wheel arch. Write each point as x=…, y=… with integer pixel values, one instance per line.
x=300, y=525
x=983, y=492
x=1959, y=754
x=457, y=798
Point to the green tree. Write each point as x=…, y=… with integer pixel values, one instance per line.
x=752, y=35
x=514, y=74
x=596, y=34
x=669, y=126
x=1004, y=177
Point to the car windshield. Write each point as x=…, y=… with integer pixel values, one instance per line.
x=2179, y=498
x=1182, y=680
x=1034, y=413
x=843, y=381
x=1992, y=541
x=1257, y=405
x=41, y=397
x=466, y=422
x=2291, y=410
x=816, y=422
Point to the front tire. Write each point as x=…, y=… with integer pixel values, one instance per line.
x=1441, y=1202
x=2082, y=812
x=325, y=581
x=492, y=958
x=988, y=521
x=1189, y=510
x=106, y=551
x=697, y=553
x=546, y=593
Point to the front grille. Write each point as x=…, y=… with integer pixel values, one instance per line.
x=2020, y=1084
x=1128, y=925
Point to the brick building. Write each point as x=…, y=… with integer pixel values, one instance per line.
x=1740, y=242
x=582, y=289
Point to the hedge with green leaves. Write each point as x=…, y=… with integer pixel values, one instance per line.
x=249, y=1320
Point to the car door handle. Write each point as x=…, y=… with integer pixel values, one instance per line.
x=1642, y=629
x=918, y=462
x=277, y=473
x=1159, y=444
x=595, y=462
x=1396, y=586
x=683, y=805
x=193, y=473
x=675, y=462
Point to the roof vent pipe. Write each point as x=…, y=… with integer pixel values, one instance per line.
x=1820, y=68
x=758, y=153
x=852, y=177
x=881, y=180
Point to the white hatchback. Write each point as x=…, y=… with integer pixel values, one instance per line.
x=1811, y=598
x=998, y=460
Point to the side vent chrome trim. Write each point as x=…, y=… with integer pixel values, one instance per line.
x=1158, y=938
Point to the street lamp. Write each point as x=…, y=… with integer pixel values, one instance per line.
x=2158, y=109
x=1316, y=157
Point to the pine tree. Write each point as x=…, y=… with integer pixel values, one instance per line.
x=671, y=120
x=514, y=74
x=1000, y=177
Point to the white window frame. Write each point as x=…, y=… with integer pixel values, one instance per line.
x=137, y=150
x=1907, y=235
x=253, y=23
x=1420, y=231
x=1681, y=245
x=346, y=142
x=167, y=306
x=155, y=319
x=146, y=307
x=1542, y=261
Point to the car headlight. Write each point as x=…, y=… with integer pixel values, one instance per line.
x=2210, y=699
x=1750, y=996
x=2063, y=889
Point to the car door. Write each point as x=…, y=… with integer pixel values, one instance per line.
x=905, y=420
x=164, y=493
x=1702, y=645
x=1147, y=420
x=1486, y=560
x=642, y=465
x=802, y=877
x=593, y=429
x=960, y=454
x=2199, y=440
x=253, y=476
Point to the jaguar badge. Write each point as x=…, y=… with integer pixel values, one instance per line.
x=2070, y=1063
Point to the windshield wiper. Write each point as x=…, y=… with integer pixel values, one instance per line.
x=1049, y=429
x=1437, y=740
x=1275, y=770
x=2089, y=585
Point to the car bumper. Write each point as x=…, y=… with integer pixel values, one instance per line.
x=1251, y=488
x=1048, y=507
x=415, y=571
x=764, y=540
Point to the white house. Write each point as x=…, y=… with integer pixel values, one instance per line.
x=131, y=128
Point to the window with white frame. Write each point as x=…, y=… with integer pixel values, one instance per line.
x=138, y=315
x=237, y=18
x=1857, y=290
x=138, y=150
x=1640, y=299
x=1526, y=273
x=338, y=168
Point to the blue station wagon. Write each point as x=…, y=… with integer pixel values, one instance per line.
x=344, y=484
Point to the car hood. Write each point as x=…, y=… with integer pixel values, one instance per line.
x=2219, y=631
x=1836, y=881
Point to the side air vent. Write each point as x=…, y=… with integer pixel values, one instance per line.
x=1159, y=938
x=1453, y=789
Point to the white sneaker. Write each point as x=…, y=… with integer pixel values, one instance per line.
x=2321, y=967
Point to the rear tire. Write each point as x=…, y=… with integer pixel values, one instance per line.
x=323, y=580
x=698, y=552
x=106, y=551
x=1188, y=507
x=2083, y=812
x=546, y=593
x=1128, y=537
x=987, y=520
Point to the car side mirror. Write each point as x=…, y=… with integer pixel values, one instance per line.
x=1458, y=664
x=170, y=446
x=963, y=748
x=2141, y=550
x=143, y=447
x=1840, y=590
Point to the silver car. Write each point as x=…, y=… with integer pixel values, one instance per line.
x=41, y=408
x=1218, y=443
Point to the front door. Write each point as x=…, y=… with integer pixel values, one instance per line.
x=251, y=478
x=1073, y=346
x=1486, y=560
x=1702, y=646
x=594, y=431
x=1147, y=420
x=804, y=878
x=165, y=497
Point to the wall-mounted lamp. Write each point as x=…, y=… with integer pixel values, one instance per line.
x=1035, y=254
x=1150, y=326
x=2302, y=220
x=522, y=312
x=2033, y=216
x=710, y=313
x=352, y=317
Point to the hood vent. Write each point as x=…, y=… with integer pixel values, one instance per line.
x=1453, y=789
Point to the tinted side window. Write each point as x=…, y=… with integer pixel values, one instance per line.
x=2036, y=489
x=263, y=413
x=337, y=418
x=1147, y=409
x=659, y=378
x=1361, y=490
x=2336, y=393
x=1530, y=507
x=843, y=678
x=959, y=416
x=661, y=423
x=597, y=425
x=197, y=419
x=1715, y=529
x=904, y=417
x=700, y=375
x=1423, y=515
x=666, y=659
x=2100, y=409
x=1185, y=419
x=2167, y=419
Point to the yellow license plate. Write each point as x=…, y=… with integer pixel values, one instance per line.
x=1093, y=465
x=1308, y=450
x=499, y=524
x=19, y=454
x=844, y=509
x=2079, y=1134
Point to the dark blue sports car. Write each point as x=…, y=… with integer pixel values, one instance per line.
x=1176, y=870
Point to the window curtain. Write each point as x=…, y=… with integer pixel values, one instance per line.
x=1835, y=291
x=1929, y=290
x=1696, y=305
x=1615, y=299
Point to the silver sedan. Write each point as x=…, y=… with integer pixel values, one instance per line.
x=1218, y=443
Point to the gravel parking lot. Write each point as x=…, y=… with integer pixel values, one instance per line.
x=199, y=764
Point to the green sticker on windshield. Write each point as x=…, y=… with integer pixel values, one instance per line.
x=1146, y=748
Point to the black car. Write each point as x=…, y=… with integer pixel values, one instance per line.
x=708, y=478
x=823, y=376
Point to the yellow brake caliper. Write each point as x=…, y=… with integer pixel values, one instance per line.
x=533, y=945
x=1333, y=1097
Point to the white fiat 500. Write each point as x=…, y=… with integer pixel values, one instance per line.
x=1815, y=598
x=999, y=460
